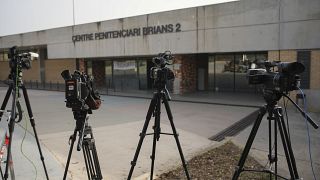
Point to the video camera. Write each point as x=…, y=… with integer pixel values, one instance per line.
x=80, y=92
x=160, y=73
x=285, y=79
x=22, y=60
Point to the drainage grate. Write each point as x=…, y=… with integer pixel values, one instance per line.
x=236, y=127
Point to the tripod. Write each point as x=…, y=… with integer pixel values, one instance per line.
x=275, y=115
x=14, y=88
x=87, y=144
x=161, y=96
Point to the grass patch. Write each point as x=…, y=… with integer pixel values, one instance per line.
x=217, y=163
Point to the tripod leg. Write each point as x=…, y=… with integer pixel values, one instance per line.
x=94, y=154
x=247, y=148
x=32, y=122
x=276, y=149
x=73, y=139
x=91, y=158
x=170, y=117
x=142, y=135
x=96, y=160
x=88, y=160
x=5, y=101
x=272, y=157
x=270, y=117
x=11, y=129
x=286, y=145
x=156, y=134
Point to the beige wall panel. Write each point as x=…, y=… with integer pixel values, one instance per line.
x=4, y=70
x=53, y=69
x=315, y=70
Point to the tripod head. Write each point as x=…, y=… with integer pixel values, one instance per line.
x=272, y=98
x=160, y=73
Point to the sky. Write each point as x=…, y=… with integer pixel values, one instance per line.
x=20, y=16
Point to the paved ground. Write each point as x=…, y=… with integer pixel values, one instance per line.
x=299, y=143
x=117, y=125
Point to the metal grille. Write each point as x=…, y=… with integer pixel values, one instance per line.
x=236, y=128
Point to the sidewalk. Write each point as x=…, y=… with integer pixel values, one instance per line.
x=26, y=157
x=117, y=124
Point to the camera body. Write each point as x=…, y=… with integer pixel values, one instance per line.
x=79, y=91
x=285, y=79
x=22, y=60
x=162, y=59
x=160, y=73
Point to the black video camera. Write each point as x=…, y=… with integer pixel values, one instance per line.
x=22, y=60
x=163, y=59
x=286, y=78
x=160, y=73
x=80, y=92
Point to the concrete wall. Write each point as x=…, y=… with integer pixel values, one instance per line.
x=246, y=25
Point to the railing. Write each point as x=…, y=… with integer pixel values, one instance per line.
x=53, y=86
x=109, y=87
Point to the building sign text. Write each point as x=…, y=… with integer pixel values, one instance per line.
x=149, y=30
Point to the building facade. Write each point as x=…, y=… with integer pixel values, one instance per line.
x=213, y=45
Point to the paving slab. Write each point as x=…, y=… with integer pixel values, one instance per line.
x=116, y=145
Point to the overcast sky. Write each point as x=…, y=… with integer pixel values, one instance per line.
x=19, y=16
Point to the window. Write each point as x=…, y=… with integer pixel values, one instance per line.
x=4, y=56
x=227, y=72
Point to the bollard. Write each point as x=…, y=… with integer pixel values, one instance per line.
x=108, y=86
x=37, y=84
x=139, y=84
x=50, y=85
x=121, y=85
